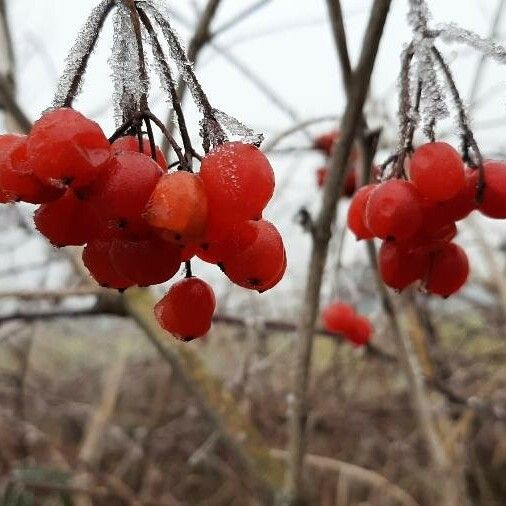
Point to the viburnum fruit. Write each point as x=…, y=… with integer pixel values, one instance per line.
x=131, y=143
x=68, y=221
x=494, y=197
x=145, y=262
x=255, y=255
x=356, y=213
x=324, y=142
x=67, y=149
x=97, y=259
x=437, y=171
x=239, y=182
x=120, y=195
x=361, y=332
x=178, y=206
x=187, y=309
x=400, y=266
x=394, y=210
x=321, y=176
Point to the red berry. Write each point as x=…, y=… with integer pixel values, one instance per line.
x=350, y=183
x=68, y=221
x=321, y=176
x=326, y=141
x=362, y=331
x=19, y=181
x=277, y=278
x=437, y=171
x=65, y=148
x=448, y=271
x=146, y=262
x=494, y=197
x=178, y=205
x=187, y=309
x=239, y=181
x=131, y=143
x=399, y=266
x=394, y=210
x=122, y=193
x=339, y=317
x=254, y=255
x=356, y=213
x=97, y=260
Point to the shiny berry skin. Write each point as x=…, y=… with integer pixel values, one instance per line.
x=394, y=210
x=448, y=271
x=339, y=317
x=97, y=260
x=361, y=332
x=277, y=278
x=67, y=149
x=68, y=221
x=356, y=213
x=178, y=205
x=131, y=143
x=239, y=181
x=437, y=171
x=187, y=309
x=121, y=194
x=399, y=266
x=494, y=197
x=255, y=255
x=20, y=183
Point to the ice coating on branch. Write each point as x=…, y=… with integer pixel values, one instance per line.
x=453, y=33
x=418, y=15
x=237, y=130
x=81, y=48
x=124, y=62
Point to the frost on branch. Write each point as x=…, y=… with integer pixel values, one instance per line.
x=418, y=15
x=79, y=52
x=237, y=130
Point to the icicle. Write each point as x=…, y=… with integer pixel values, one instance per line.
x=237, y=130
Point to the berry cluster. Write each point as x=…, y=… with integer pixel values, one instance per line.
x=138, y=221
x=416, y=217
x=341, y=318
x=324, y=144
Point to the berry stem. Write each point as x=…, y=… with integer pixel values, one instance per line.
x=130, y=123
x=175, y=146
x=188, y=266
x=151, y=138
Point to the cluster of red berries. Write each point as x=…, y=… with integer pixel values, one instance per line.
x=138, y=221
x=416, y=217
x=341, y=318
x=325, y=143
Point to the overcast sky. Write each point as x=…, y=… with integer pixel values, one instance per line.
x=288, y=45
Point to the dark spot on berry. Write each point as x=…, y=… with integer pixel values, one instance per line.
x=121, y=290
x=178, y=237
x=205, y=246
x=254, y=282
x=105, y=285
x=67, y=181
x=390, y=238
x=122, y=224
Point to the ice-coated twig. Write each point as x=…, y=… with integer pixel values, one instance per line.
x=77, y=60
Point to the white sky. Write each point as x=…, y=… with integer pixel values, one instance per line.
x=288, y=44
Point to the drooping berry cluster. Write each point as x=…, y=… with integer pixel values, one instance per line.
x=416, y=217
x=324, y=144
x=341, y=318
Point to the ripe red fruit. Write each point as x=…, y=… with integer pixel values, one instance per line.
x=178, y=205
x=321, y=176
x=68, y=221
x=356, y=213
x=494, y=197
x=146, y=262
x=361, y=332
x=254, y=255
x=437, y=171
x=350, y=183
x=325, y=142
x=394, y=210
x=239, y=182
x=97, y=260
x=400, y=266
x=131, y=143
x=448, y=271
x=122, y=193
x=65, y=148
x=187, y=309
x=339, y=317
x=18, y=180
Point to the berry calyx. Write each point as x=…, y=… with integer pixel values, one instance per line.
x=187, y=309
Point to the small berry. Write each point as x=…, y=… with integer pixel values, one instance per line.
x=178, y=205
x=339, y=317
x=394, y=210
x=437, y=171
x=494, y=197
x=448, y=271
x=321, y=176
x=239, y=181
x=187, y=309
x=356, y=213
x=131, y=143
x=67, y=149
x=362, y=331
